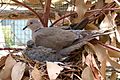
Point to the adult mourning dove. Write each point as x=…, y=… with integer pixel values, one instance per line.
x=52, y=37
x=57, y=38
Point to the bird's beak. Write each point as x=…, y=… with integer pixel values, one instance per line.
x=25, y=27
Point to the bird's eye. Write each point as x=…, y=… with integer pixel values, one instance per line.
x=31, y=22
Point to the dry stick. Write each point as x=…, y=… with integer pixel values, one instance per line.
x=107, y=46
x=46, y=12
x=30, y=10
x=43, y=8
x=63, y=18
x=107, y=9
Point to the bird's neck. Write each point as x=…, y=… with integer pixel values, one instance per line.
x=35, y=30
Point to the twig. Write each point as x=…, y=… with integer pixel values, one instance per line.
x=108, y=46
x=46, y=12
x=77, y=76
x=107, y=9
x=117, y=1
x=62, y=18
x=30, y=10
x=110, y=69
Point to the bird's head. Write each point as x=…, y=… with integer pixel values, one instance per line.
x=33, y=24
x=31, y=44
